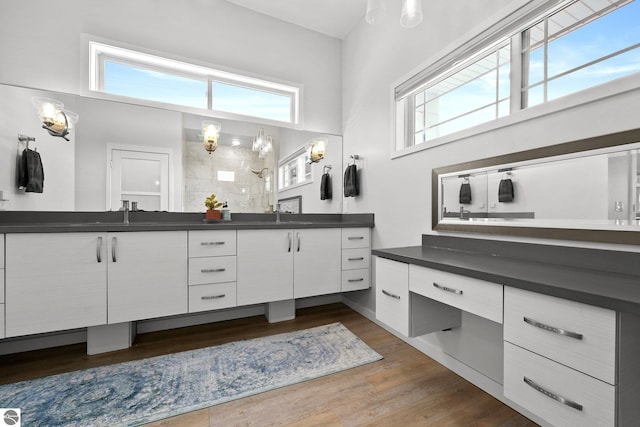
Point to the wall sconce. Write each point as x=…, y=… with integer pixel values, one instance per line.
x=316, y=149
x=54, y=119
x=210, y=135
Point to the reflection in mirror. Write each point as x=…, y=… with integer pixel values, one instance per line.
x=585, y=190
x=79, y=174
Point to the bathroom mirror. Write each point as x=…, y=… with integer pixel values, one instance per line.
x=79, y=174
x=585, y=190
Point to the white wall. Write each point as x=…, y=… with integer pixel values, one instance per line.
x=399, y=191
x=40, y=45
x=19, y=116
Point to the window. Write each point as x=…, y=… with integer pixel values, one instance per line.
x=124, y=72
x=295, y=170
x=541, y=55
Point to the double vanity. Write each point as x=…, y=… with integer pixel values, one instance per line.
x=553, y=330
x=97, y=273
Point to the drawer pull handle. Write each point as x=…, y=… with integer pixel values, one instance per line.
x=114, y=249
x=389, y=294
x=206, y=297
x=356, y=259
x=447, y=289
x=360, y=280
x=212, y=270
x=355, y=238
x=553, y=396
x=553, y=329
x=289, y=236
x=211, y=243
x=98, y=249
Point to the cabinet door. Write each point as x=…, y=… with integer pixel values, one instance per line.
x=147, y=275
x=392, y=294
x=317, y=258
x=55, y=281
x=265, y=266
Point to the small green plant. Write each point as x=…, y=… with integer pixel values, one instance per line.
x=211, y=203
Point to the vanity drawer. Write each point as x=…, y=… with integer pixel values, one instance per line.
x=212, y=297
x=353, y=280
x=546, y=325
x=596, y=397
x=466, y=293
x=392, y=294
x=203, y=243
x=355, y=238
x=353, y=259
x=212, y=270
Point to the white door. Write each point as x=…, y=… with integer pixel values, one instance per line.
x=139, y=176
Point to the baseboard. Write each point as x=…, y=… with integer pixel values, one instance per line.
x=38, y=342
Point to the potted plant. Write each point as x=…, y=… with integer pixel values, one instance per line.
x=212, y=207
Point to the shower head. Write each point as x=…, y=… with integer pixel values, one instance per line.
x=260, y=174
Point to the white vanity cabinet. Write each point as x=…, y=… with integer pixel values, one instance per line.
x=1, y=286
x=282, y=264
x=147, y=275
x=560, y=358
x=55, y=282
x=392, y=294
x=356, y=259
x=212, y=269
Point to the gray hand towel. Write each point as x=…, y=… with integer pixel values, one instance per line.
x=326, y=192
x=351, y=185
x=505, y=190
x=465, y=193
x=30, y=172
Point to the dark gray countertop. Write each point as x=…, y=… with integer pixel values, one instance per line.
x=609, y=289
x=67, y=222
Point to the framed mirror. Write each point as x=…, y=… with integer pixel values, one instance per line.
x=587, y=190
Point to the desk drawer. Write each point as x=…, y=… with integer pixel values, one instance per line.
x=596, y=398
x=212, y=270
x=203, y=243
x=353, y=259
x=212, y=297
x=355, y=238
x=468, y=294
x=353, y=280
x=551, y=326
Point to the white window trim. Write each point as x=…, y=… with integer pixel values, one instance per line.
x=187, y=67
x=586, y=96
x=296, y=154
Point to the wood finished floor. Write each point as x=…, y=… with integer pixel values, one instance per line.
x=406, y=388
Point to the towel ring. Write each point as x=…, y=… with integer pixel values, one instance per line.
x=326, y=168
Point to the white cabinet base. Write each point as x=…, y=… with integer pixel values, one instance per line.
x=105, y=338
x=279, y=311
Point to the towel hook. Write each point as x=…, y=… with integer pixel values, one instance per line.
x=26, y=139
x=354, y=157
x=326, y=168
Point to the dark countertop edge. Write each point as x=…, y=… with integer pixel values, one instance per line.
x=603, y=297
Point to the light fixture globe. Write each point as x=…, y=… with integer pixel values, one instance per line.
x=210, y=135
x=375, y=11
x=411, y=14
x=54, y=119
x=316, y=149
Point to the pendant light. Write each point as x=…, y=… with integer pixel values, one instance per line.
x=411, y=14
x=375, y=11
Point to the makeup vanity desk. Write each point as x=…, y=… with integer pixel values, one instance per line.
x=552, y=331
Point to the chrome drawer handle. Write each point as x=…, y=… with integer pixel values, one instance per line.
x=99, y=246
x=389, y=294
x=553, y=396
x=362, y=280
x=553, y=329
x=356, y=259
x=212, y=270
x=114, y=249
x=355, y=237
x=289, y=236
x=446, y=289
x=206, y=297
x=211, y=243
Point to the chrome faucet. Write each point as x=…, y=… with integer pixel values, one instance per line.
x=277, y=213
x=125, y=211
x=462, y=212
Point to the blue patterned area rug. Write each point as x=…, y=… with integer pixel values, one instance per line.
x=142, y=391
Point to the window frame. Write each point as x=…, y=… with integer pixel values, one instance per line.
x=511, y=23
x=96, y=51
x=301, y=157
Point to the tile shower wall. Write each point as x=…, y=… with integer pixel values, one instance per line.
x=246, y=193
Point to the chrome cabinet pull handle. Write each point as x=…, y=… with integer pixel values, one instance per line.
x=98, y=249
x=553, y=396
x=356, y=259
x=553, y=329
x=212, y=270
x=298, y=237
x=447, y=289
x=114, y=243
x=211, y=243
x=389, y=294
x=207, y=297
x=289, y=249
x=355, y=237
x=361, y=280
